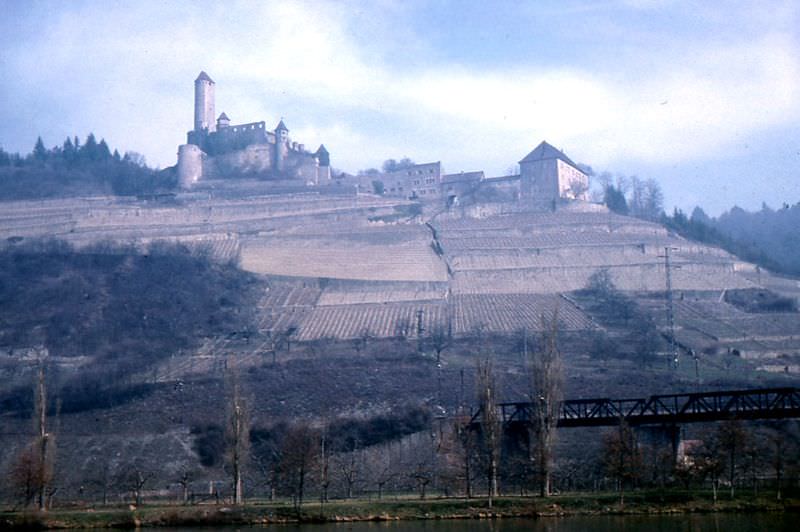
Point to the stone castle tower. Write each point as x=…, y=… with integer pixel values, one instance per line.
x=218, y=150
x=204, y=103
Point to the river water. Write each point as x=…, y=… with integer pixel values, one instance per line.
x=759, y=522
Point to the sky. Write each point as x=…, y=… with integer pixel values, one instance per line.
x=703, y=97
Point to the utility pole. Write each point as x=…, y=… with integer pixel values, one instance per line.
x=420, y=330
x=670, y=309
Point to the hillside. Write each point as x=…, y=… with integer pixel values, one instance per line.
x=108, y=312
x=354, y=307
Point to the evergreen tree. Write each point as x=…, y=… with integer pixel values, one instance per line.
x=103, y=153
x=39, y=151
x=5, y=158
x=615, y=199
x=68, y=150
x=89, y=150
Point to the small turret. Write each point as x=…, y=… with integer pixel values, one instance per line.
x=323, y=156
x=281, y=146
x=223, y=121
x=281, y=132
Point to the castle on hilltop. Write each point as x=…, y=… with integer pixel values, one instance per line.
x=216, y=149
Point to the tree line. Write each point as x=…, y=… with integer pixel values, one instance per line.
x=768, y=238
x=75, y=168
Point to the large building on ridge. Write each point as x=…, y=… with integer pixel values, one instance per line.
x=547, y=173
x=217, y=149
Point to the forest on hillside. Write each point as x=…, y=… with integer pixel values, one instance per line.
x=75, y=169
x=768, y=237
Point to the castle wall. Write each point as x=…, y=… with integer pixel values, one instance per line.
x=190, y=165
x=238, y=137
x=539, y=180
x=302, y=165
x=253, y=159
x=323, y=175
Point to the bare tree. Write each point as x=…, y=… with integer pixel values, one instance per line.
x=707, y=461
x=621, y=457
x=266, y=455
x=32, y=471
x=238, y=436
x=546, y=393
x=184, y=480
x=783, y=455
x=135, y=477
x=299, y=452
x=24, y=475
x=732, y=439
x=469, y=445
x=324, y=466
x=422, y=476
x=490, y=423
x=44, y=443
x=381, y=467
x=653, y=200
x=578, y=189
x=350, y=471
x=459, y=448
x=440, y=340
x=100, y=477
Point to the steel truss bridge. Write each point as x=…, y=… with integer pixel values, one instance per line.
x=674, y=409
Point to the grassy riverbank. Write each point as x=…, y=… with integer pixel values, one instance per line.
x=651, y=502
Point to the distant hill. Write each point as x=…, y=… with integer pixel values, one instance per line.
x=775, y=232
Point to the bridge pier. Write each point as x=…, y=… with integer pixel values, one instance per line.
x=667, y=434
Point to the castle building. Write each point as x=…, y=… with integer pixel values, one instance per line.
x=215, y=149
x=547, y=174
x=546, y=177
x=416, y=182
x=420, y=181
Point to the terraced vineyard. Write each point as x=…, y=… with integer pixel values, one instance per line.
x=380, y=321
x=549, y=253
x=708, y=324
x=510, y=313
x=358, y=297
x=345, y=265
